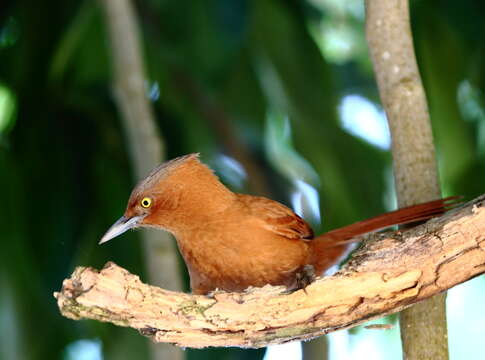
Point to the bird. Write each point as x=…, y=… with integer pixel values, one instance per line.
x=231, y=241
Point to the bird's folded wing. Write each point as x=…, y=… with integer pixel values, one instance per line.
x=277, y=218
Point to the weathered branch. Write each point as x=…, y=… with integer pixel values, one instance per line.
x=390, y=272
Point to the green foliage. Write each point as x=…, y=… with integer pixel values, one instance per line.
x=228, y=73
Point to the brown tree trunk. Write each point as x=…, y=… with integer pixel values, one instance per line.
x=423, y=327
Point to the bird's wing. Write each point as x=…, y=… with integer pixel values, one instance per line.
x=276, y=217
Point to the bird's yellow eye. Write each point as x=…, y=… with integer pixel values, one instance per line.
x=146, y=202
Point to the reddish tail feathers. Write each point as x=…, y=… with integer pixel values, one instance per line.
x=329, y=246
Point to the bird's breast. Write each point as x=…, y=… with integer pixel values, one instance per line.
x=234, y=256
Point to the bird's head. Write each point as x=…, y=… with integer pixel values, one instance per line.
x=151, y=197
x=172, y=195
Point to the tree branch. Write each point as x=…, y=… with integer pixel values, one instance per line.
x=145, y=143
x=390, y=272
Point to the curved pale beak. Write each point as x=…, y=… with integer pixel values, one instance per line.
x=123, y=224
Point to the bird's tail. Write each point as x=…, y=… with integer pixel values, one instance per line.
x=330, y=246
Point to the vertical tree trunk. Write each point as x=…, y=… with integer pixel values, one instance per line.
x=146, y=147
x=423, y=326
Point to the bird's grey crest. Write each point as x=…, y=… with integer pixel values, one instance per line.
x=161, y=171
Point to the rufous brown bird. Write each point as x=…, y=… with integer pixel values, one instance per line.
x=232, y=241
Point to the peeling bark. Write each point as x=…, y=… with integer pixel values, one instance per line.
x=389, y=273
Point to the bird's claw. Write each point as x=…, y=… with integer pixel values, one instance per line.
x=304, y=277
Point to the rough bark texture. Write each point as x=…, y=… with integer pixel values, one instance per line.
x=146, y=146
x=390, y=272
x=423, y=327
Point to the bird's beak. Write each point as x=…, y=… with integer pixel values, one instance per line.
x=123, y=224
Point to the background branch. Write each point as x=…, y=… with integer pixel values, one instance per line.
x=392, y=271
x=423, y=327
x=146, y=146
